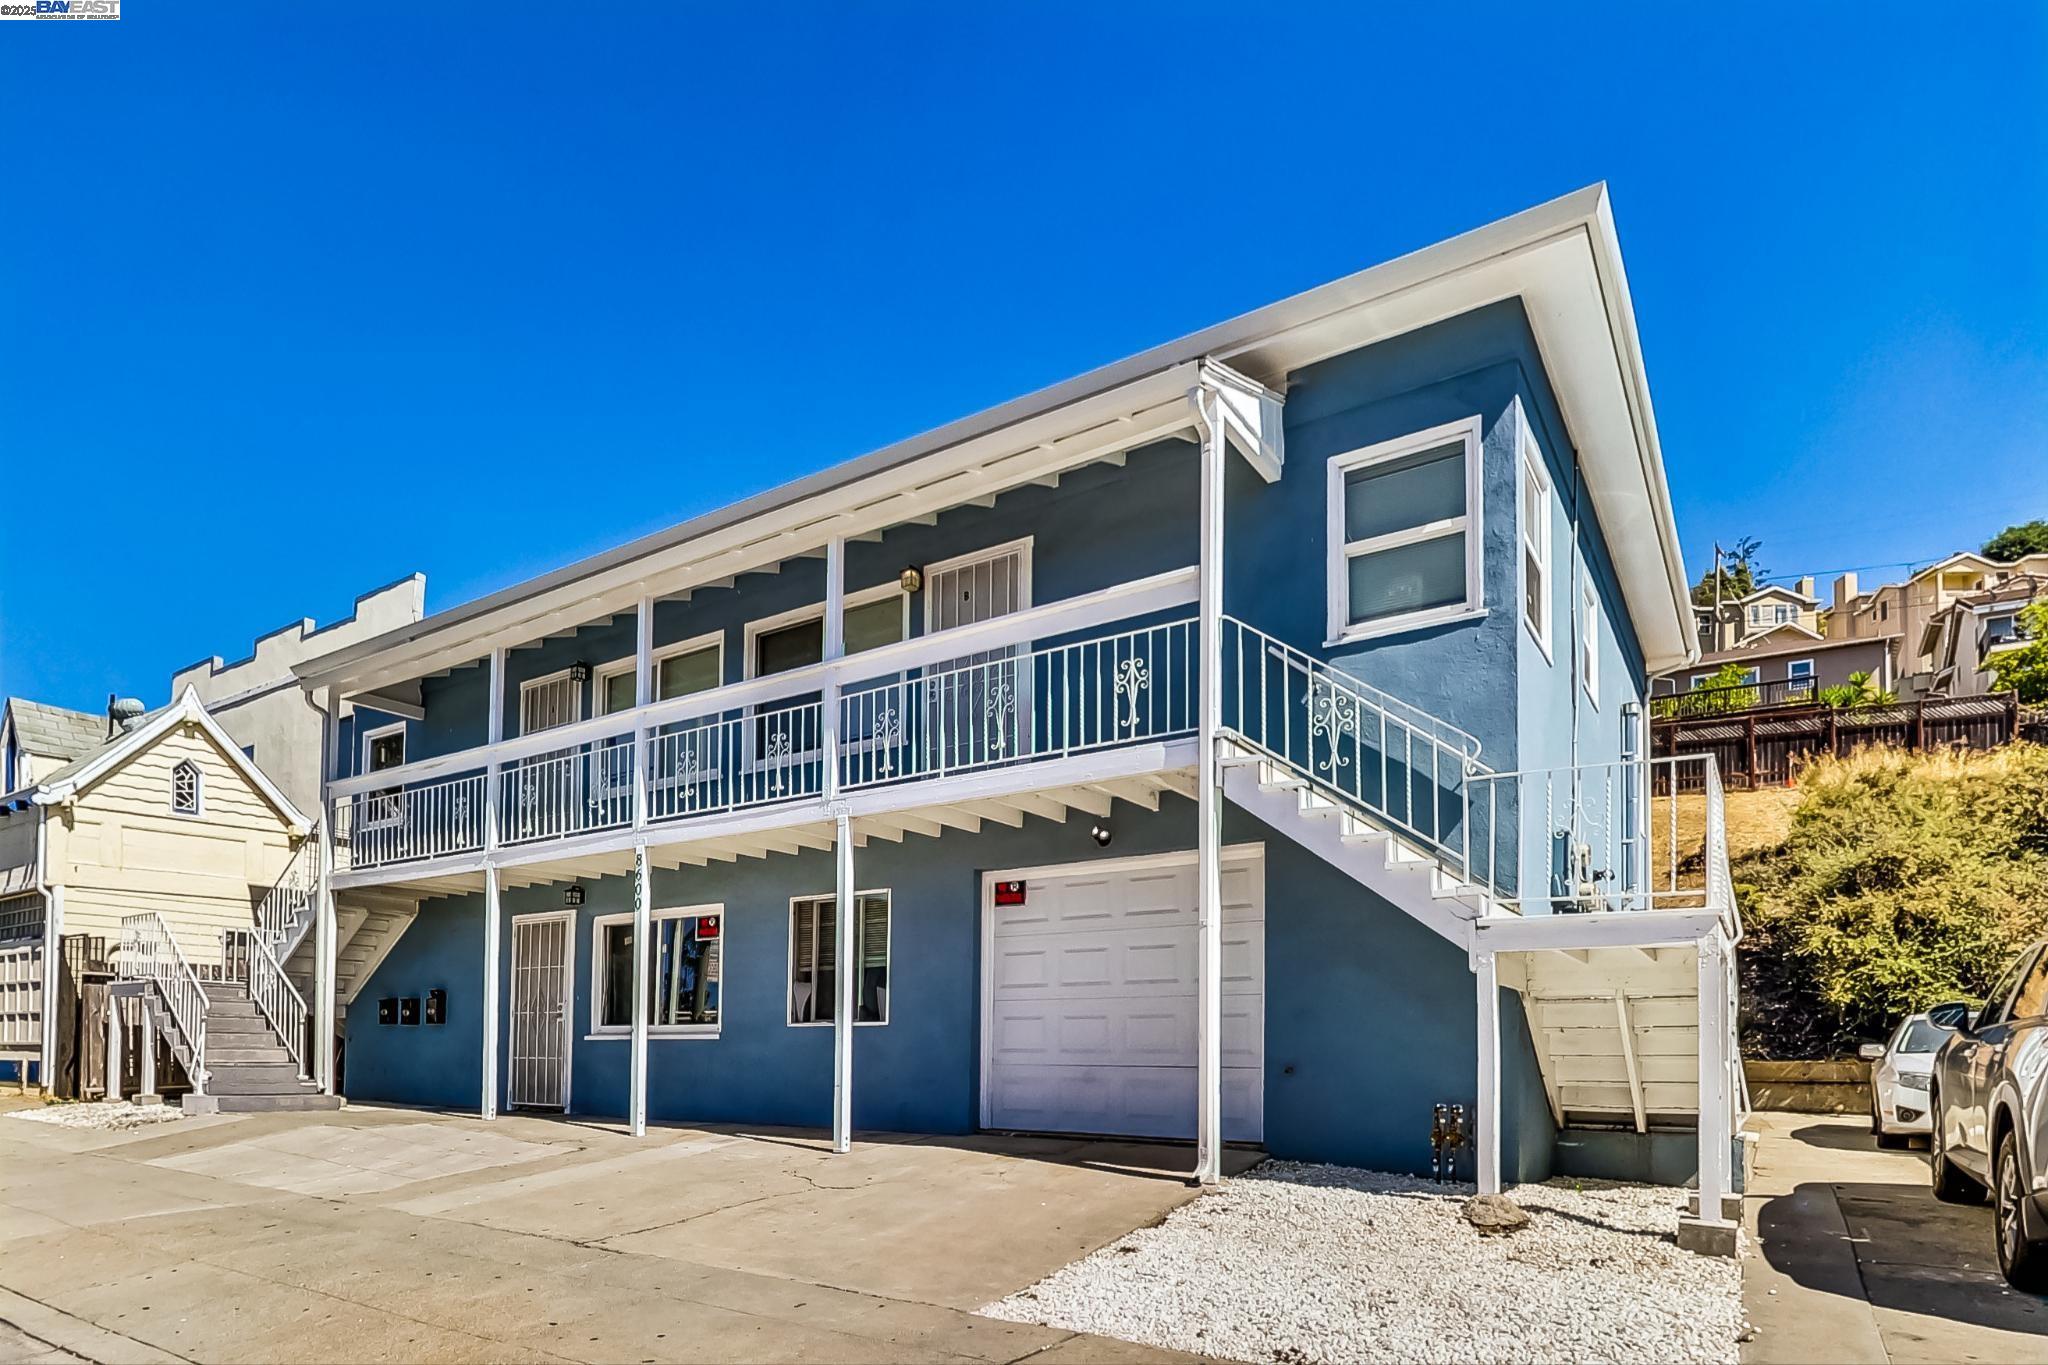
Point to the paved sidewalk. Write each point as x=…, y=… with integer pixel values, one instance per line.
x=1854, y=1260
x=375, y=1235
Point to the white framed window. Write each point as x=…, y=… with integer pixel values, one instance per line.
x=1799, y=670
x=685, y=973
x=1403, y=552
x=383, y=747
x=814, y=947
x=1782, y=615
x=1589, y=641
x=1535, y=545
x=187, y=789
x=796, y=639
x=680, y=669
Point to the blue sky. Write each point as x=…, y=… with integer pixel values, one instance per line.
x=302, y=298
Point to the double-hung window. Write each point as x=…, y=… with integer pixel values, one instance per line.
x=1799, y=676
x=685, y=972
x=679, y=670
x=814, y=953
x=1536, y=548
x=1404, y=547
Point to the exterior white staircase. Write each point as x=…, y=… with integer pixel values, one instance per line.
x=1400, y=802
x=367, y=925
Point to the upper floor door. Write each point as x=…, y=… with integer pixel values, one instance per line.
x=978, y=709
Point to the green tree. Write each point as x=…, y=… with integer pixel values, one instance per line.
x=2025, y=669
x=1740, y=572
x=2028, y=538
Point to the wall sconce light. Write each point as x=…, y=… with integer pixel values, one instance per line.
x=573, y=896
x=579, y=672
x=911, y=579
x=1101, y=834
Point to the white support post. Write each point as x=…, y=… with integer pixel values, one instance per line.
x=643, y=693
x=145, y=1043
x=844, y=995
x=1714, y=1124
x=1209, y=834
x=487, y=1105
x=643, y=965
x=326, y=948
x=494, y=734
x=113, y=1047
x=834, y=648
x=1486, y=1101
x=53, y=967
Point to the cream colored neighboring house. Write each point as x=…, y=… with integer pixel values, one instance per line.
x=1909, y=608
x=165, y=815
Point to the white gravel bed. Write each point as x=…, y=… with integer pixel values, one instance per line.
x=102, y=1116
x=1295, y=1263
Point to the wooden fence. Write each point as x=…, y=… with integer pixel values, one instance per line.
x=1755, y=748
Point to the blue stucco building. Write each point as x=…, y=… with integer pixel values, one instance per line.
x=1240, y=743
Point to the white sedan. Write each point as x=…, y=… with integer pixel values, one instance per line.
x=1900, y=1071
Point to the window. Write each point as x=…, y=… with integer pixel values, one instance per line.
x=1999, y=629
x=1799, y=675
x=813, y=946
x=185, y=788
x=685, y=972
x=679, y=670
x=1994, y=1003
x=1589, y=641
x=545, y=703
x=874, y=617
x=2031, y=1000
x=383, y=748
x=1536, y=550
x=1920, y=1035
x=1399, y=552
x=1781, y=615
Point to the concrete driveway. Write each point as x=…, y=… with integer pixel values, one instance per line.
x=388, y=1234
x=1856, y=1261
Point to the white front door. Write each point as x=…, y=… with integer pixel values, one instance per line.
x=537, y=1076
x=979, y=705
x=1089, y=999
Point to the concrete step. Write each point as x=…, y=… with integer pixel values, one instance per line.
x=259, y=1104
x=241, y=1053
x=237, y=1026
x=231, y=1009
x=264, y=1079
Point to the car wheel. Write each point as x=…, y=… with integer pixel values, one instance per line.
x=2024, y=1261
x=1951, y=1186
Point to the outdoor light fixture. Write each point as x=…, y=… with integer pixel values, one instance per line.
x=1101, y=834
x=911, y=579
x=579, y=672
x=573, y=896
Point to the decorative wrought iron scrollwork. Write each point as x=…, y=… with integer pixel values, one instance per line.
x=1000, y=710
x=888, y=734
x=1332, y=714
x=1133, y=676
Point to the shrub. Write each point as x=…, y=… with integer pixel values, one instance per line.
x=1906, y=880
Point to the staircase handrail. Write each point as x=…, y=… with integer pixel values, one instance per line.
x=278, y=1000
x=1336, y=706
x=150, y=952
x=282, y=916
x=1356, y=688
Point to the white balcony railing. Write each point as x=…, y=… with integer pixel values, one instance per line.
x=150, y=952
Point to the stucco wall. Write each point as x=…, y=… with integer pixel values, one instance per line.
x=1369, y=1017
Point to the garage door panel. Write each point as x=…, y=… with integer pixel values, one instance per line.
x=1092, y=1013
x=1127, y=1101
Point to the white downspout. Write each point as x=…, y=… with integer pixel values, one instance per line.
x=1209, y=794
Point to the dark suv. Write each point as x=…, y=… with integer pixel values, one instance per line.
x=1990, y=1109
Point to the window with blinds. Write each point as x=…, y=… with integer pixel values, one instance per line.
x=813, y=954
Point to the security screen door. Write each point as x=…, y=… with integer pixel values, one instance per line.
x=979, y=703
x=537, y=1071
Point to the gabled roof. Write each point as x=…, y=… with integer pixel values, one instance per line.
x=75, y=777
x=1562, y=259
x=1778, y=590
x=54, y=731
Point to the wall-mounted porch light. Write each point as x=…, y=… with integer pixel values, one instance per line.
x=573, y=896
x=579, y=672
x=911, y=579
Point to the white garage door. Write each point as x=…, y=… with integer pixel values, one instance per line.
x=1089, y=1005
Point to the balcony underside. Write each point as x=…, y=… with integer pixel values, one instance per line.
x=1051, y=789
